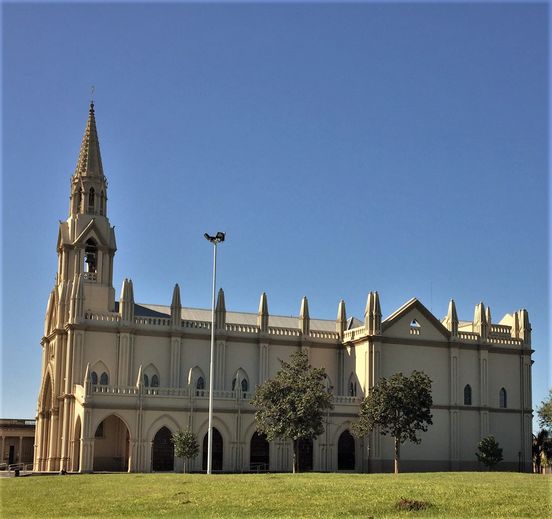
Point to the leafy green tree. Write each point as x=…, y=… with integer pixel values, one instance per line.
x=489, y=452
x=400, y=406
x=545, y=412
x=185, y=445
x=292, y=405
x=542, y=449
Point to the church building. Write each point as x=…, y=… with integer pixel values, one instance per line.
x=118, y=378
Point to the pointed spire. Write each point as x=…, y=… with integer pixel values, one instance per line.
x=515, y=327
x=488, y=317
x=62, y=296
x=86, y=381
x=176, y=307
x=341, y=320
x=89, y=162
x=262, y=316
x=48, y=324
x=139, y=380
x=524, y=326
x=126, y=303
x=220, y=311
x=451, y=320
x=304, y=318
x=480, y=321
x=372, y=314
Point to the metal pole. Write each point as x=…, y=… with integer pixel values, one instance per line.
x=210, y=427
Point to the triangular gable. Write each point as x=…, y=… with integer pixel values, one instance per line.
x=399, y=323
x=91, y=231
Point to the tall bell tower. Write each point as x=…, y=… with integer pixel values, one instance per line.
x=86, y=244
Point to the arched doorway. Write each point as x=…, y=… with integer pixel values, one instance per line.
x=346, y=451
x=162, y=457
x=111, y=445
x=305, y=455
x=259, y=453
x=217, y=450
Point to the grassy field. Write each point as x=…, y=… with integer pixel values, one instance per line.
x=466, y=495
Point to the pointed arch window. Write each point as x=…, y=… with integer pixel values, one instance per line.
x=467, y=395
x=200, y=386
x=94, y=378
x=91, y=199
x=155, y=381
x=146, y=380
x=503, y=398
x=102, y=203
x=352, y=387
x=104, y=379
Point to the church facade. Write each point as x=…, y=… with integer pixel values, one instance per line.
x=118, y=378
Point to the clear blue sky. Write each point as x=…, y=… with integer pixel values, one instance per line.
x=343, y=148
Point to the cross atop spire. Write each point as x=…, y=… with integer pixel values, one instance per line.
x=90, y=160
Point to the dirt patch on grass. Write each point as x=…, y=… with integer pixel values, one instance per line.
x=411, y=504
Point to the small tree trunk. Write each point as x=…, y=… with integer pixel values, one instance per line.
x=184, y=469
x=295, y=460
x=397, y=454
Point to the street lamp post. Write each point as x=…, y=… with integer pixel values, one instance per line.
x=215, y=240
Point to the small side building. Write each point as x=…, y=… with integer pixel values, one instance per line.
x=17, y=437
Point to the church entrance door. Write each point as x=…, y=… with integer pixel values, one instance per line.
x=163, y=451
x=346, y=451
x=217, y=450
x=305, y=455
x=259, y=453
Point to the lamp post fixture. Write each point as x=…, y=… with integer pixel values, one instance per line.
x=215, y=240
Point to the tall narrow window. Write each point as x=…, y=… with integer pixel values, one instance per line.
x=503, y=398
x=91, y=196
x=155, y=381
x=102, y=203
x=467, y=395
x=146, y=380
x=104, y=380
x=94, y=378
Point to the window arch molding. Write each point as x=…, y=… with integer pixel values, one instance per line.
x=151, y=377
x=197, y=381
x=240, y=381
x=102, y=375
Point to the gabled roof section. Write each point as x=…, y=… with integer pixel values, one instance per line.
x=409, y=306
x=89, y=162
x=92, y=231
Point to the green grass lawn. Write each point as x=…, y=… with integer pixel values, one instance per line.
x=461, y=494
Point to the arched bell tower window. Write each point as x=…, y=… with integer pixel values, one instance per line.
x=102, y=203
x=91, y=197
x=90, y=255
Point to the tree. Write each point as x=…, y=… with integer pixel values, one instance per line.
x=291, y=406
x=185, y=445
x=489, y=452
x=400, y=406
x=542, y=449
x=545, y=412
